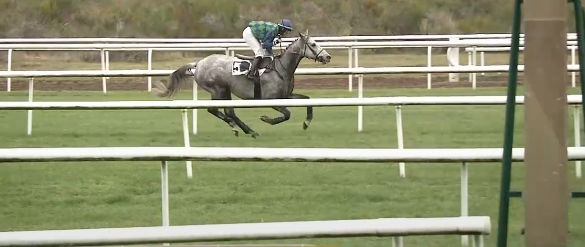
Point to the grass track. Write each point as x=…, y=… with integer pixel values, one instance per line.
x=121, y=194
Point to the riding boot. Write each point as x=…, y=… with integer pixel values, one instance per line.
x=254, y=67
x=253, y=74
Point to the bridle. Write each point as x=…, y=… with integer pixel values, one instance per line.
x=306, y=45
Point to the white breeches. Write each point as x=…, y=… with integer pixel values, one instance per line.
x=253, y=43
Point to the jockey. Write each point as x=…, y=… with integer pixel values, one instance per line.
x=261, y=36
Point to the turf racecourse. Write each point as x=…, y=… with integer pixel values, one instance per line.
x=123, y=194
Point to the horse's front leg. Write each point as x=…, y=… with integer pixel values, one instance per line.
x=285, y=116
x=309, y=118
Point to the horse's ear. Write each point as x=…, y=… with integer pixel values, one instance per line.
x=307, y=32
x=302, y=35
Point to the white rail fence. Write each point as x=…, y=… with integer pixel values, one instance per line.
x=256, y=154
x=165, y=154
x=453, y=59
x=382, y=227
x=397, y=102
x=269, y=154
x=386, y=227
x=229, y=49
x=359, y=72
x=237, y=44
x=570, y=36
x=359, y=101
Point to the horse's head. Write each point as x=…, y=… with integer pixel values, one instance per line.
x=307, y=47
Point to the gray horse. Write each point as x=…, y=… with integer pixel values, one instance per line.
x=222, y=75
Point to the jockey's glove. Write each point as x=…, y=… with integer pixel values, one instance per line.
x=276, y=41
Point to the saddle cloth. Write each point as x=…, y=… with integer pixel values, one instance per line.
x=242, y=66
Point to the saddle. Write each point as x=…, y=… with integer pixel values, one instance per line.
x=263, y=64
x=243, y=66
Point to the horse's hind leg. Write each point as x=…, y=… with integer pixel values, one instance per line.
x=215, y=112
x=285, y=116
x=232, y=114
x=219, y=95
x=307, y=122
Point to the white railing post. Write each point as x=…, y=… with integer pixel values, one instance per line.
x=149, y=67
x=482, y=58
x=573, y=62
x=464, y=198
x=194, y=112
x=453, y=54
x=478, y=241
x=429, y=64
x=164, y=192
x=103, y=59
x=474, y=60
x=397, y=242
x=399, y=135
x=9, y=68
x=186, y=140
x=107, y=63
x=360, y=108
x=577, y=135
x=356, y=58
x=350, y=65
x=31, y=83
x=469, y=63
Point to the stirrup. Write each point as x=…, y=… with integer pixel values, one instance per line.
x=252, y=75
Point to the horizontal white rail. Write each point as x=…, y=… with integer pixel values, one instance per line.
x=460, y=43
x=480, y=49
x=237, y=40
x=231, y=44
x=316, y=102
x=476, y=225
x=575, y=100
x=211, y=48
x=216, y=40
x=266, y=154
x=277, y=48
x=300, y=71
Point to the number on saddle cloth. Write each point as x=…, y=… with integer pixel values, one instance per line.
x=242, y=64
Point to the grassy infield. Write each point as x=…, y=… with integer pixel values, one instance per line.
x=122, y=194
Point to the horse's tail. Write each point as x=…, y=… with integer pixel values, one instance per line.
x=177, y=80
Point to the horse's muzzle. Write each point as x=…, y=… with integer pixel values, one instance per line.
x=324, y=59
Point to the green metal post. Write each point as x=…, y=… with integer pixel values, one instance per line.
x=509, y=129
x=579, y=25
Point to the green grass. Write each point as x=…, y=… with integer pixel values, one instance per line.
x=61, y=195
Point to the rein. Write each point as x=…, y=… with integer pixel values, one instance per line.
x=293, y=52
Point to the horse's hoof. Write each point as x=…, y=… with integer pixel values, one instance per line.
x=254, y=135
x=236, y=132
x=265, y=119
x=306, y=124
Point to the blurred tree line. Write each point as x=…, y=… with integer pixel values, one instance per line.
x=227, y=18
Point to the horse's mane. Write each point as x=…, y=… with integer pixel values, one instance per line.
x=288, y=46
x=291, y=43
x=278, y=56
